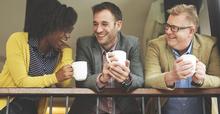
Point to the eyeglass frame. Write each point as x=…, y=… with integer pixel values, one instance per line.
x=174, y=28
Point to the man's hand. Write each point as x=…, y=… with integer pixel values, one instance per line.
x=181, y=70
x=200, y=74
x=105, y=77
x=120, y=72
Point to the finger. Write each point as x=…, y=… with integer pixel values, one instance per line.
x=117, y=69
x=200, y=65
x=127, y=63
x=178, y=60
x=186, y=66
x=199, y=72
x=112, y=59
x=198, y=77
x=115, y=77
x=67, y=67
x=186, y=73
x=120, y=73
x=182, y=63
x=195, y=78
x=69, y=74
x=106, y=66
x=122, y=67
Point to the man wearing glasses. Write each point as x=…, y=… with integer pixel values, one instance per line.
x=165, y=69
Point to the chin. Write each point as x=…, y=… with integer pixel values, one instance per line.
x=172, y=45
x=101, y=42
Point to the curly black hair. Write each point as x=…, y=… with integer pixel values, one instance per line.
x=47, y=16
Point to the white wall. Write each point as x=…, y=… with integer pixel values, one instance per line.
x=12, y=14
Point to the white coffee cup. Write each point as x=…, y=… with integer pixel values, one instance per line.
x=192, y=59
x=80, y=70
x=119, y=55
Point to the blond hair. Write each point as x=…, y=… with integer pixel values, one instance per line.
x=189, y=10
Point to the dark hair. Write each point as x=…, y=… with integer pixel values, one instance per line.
x=115, y=10
x=48, y=16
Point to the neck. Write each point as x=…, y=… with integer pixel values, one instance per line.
x=181, y=52
x=43, y=45
x=109, y=46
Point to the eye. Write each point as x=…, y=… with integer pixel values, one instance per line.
x=95, y=24
x=104, y=24
x=174, y=28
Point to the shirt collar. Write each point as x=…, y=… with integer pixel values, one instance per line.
x=188, y=51
x=112, y=49
x=33, y=42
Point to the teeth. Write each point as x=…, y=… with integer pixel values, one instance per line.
x=100, y=35
x=63, y=40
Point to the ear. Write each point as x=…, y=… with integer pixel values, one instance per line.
x=193, y=29
x=119, y=25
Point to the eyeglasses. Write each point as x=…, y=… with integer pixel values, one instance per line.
x=174, y=28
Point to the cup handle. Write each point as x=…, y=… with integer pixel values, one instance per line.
x=107, y=58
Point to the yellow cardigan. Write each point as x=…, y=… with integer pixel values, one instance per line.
x=16, y=67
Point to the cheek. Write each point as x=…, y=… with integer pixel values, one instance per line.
x=55, y=43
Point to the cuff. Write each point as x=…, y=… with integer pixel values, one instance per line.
x=127, y=83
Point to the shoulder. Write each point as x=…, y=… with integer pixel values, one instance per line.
x=18, y=38
x=158, y=42
x=205, y=39
x=128, y=39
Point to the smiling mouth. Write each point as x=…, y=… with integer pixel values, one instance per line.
x=170, y=37
x=64, y=41
x=100, y=36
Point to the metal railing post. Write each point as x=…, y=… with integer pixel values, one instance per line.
x=67, y=104
x=7, y=107
x=159, y=105
x=97, y=105
x=143, y=105
x=113, y=105
x=51, y=105
x=203, y=105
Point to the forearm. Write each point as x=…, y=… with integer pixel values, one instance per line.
x=211, y=81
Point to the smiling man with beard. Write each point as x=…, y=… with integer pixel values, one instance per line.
x=165, y=69
x=107, y=23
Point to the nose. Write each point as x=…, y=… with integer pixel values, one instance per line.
x=98, y=29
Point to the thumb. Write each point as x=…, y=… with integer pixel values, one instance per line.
x=127, y=63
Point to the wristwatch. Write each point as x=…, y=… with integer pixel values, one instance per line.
x=198, y=84
x=126, y=83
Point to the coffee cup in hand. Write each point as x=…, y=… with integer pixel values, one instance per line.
x=192, y=59
x=119, y=55
x=80, y=70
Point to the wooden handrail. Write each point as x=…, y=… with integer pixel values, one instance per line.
x=108, y=92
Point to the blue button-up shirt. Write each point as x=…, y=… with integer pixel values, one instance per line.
x=183, y=105
x=40, y=64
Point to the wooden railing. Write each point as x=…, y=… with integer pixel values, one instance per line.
x=73, y=92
